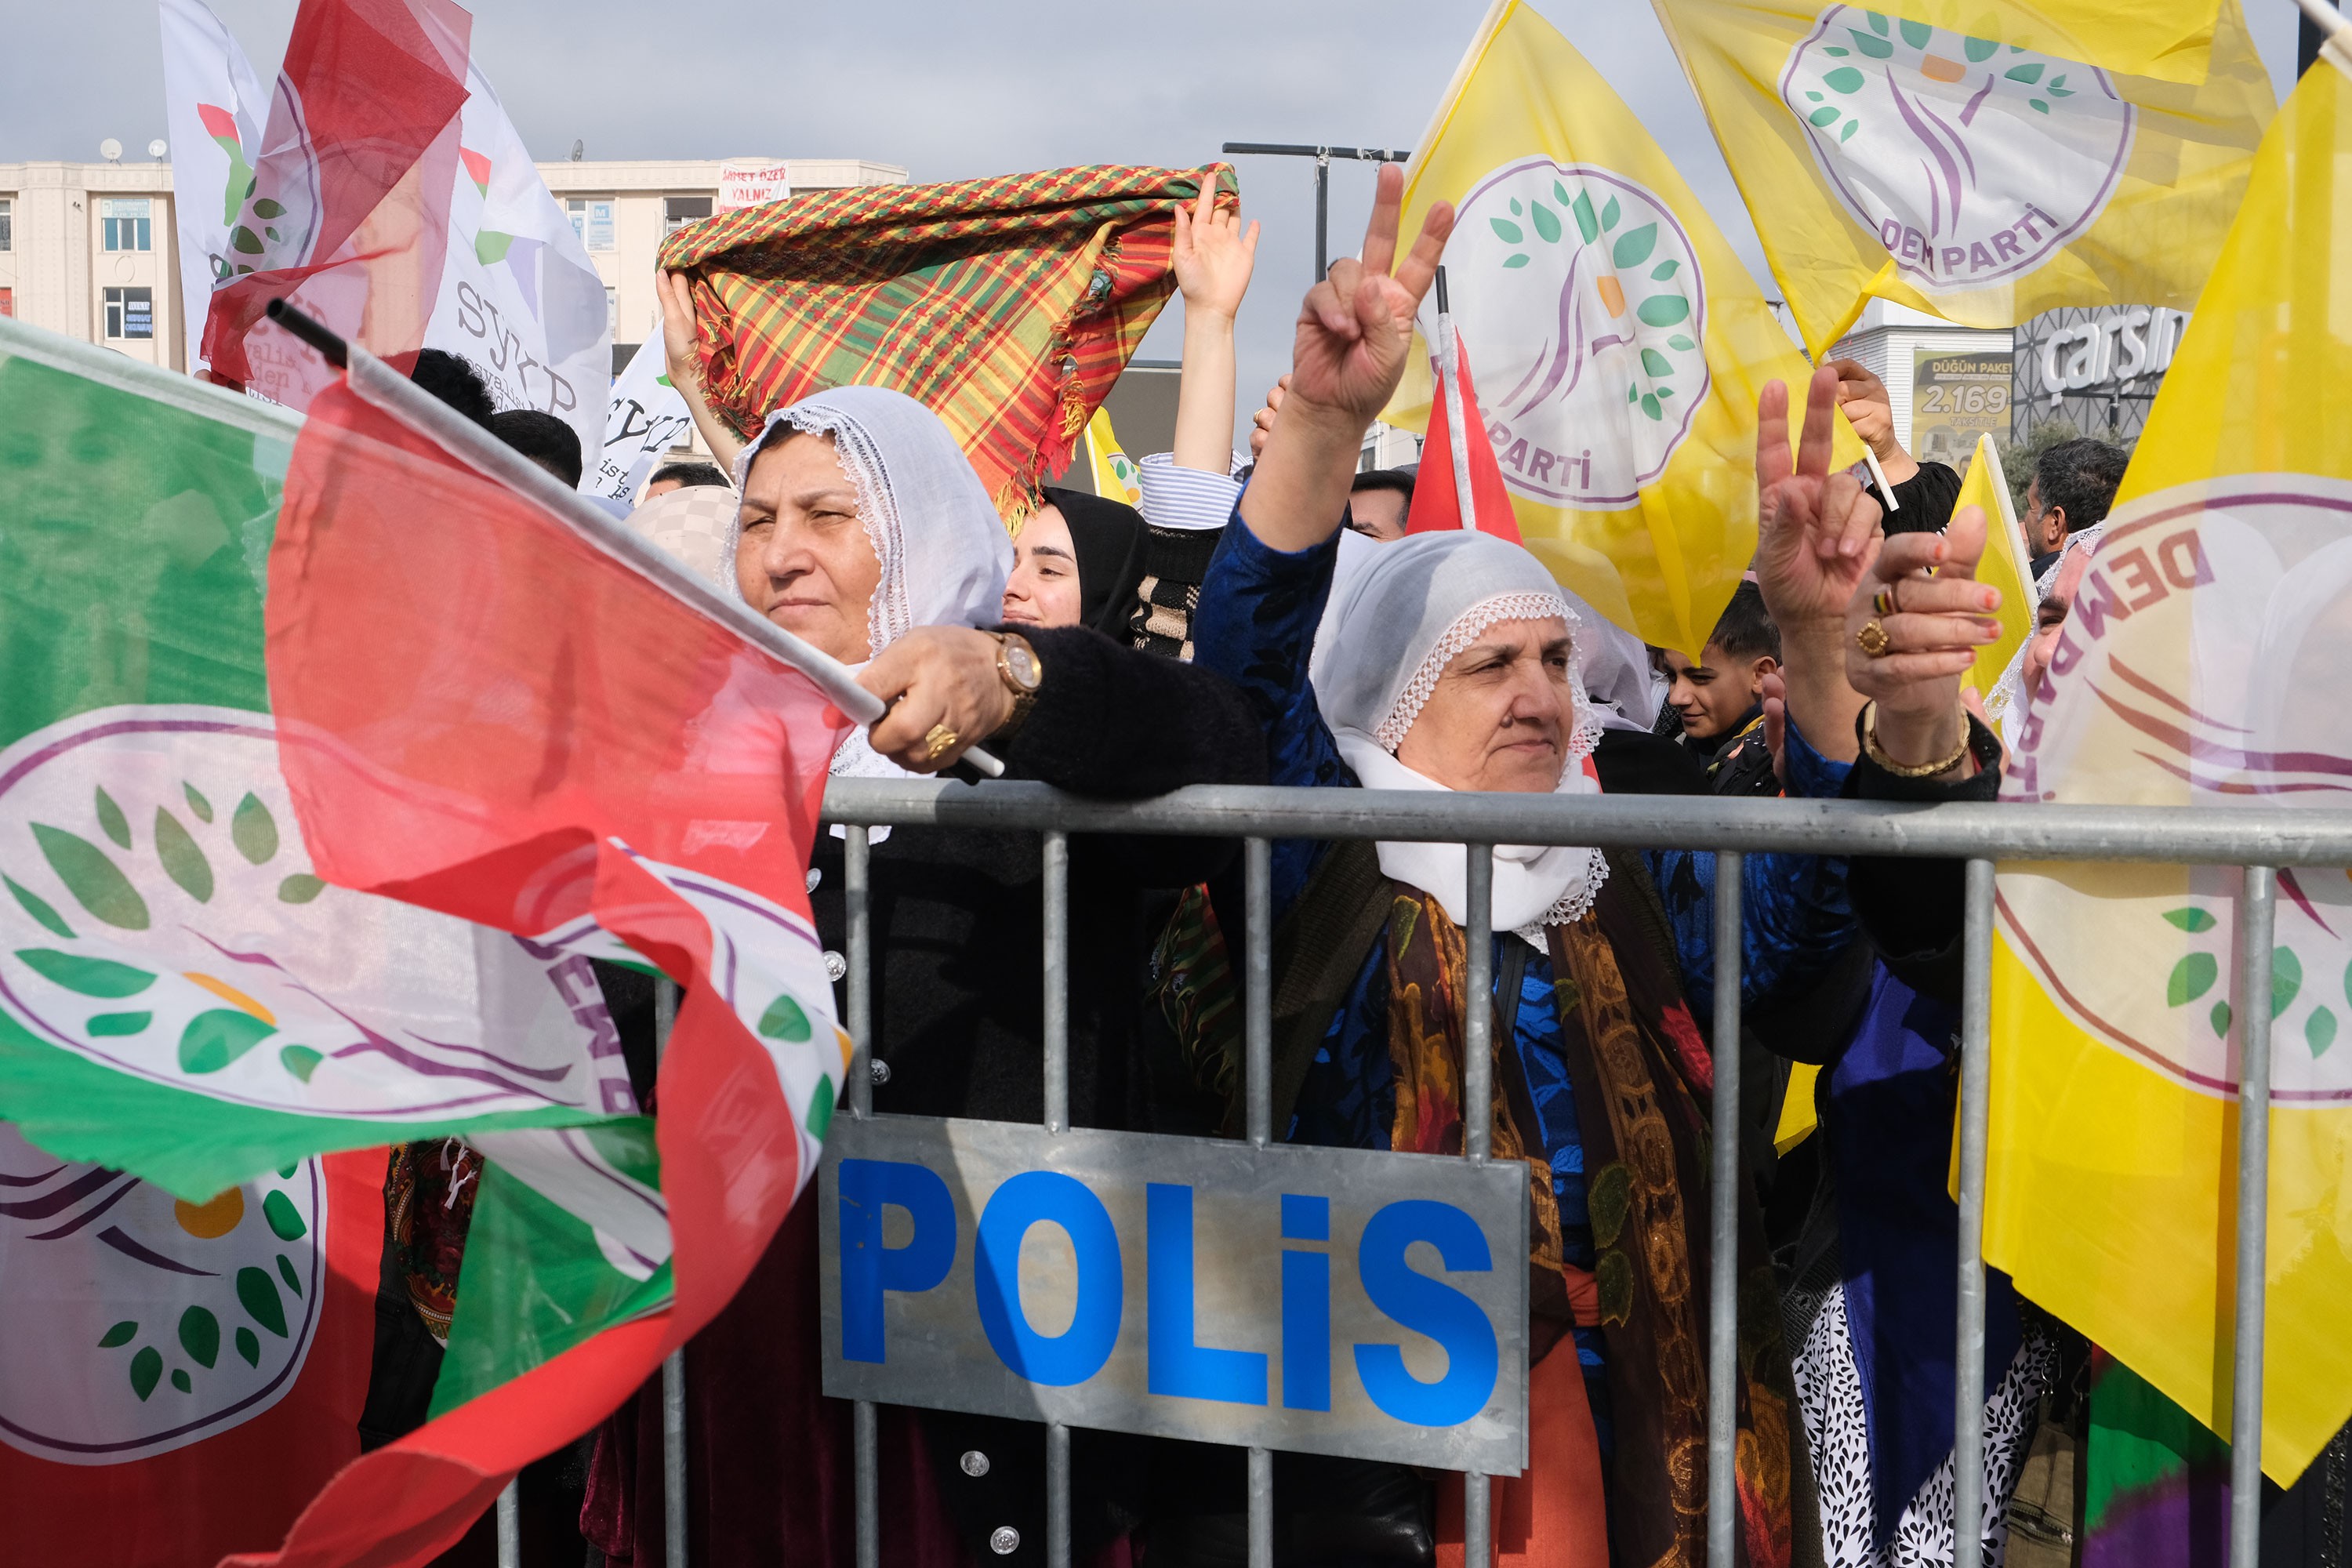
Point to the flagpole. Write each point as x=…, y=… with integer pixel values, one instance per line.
x=1448, y=361
x=387, y=389
x=1876, y=472
x=2334, y=31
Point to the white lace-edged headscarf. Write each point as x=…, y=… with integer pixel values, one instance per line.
x=1396, y=621
x=944, y=552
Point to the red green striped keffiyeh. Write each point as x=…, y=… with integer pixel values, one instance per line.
x=1007, y=306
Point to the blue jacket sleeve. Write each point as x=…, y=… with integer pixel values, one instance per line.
x=1255, y=626
x=1795, y=915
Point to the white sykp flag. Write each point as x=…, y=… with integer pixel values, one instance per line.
x=519, y=296
x=214, y=109
x=646, y=419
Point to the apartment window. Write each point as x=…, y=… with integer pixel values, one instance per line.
x=125, y=219
x=679, y=211
x=7, y=225
x=591, y=220
x=130, y=313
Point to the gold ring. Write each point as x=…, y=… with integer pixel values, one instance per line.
x=939, y=743
x=1883, y=602
x=1872, y=639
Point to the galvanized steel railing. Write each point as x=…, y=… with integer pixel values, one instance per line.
x=2260, y=840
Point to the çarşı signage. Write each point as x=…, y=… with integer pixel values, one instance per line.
x=2118, y=343
x=1339, y=1301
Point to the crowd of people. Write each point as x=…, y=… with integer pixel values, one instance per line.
x=1272, y=622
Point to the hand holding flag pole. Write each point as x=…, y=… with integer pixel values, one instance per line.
x=1877, y=473
x=396, y=394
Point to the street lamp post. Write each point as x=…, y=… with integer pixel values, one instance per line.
x=1322, y=156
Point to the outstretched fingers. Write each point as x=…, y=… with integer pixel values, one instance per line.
x=1821, y=411
x=1380, y=231
x=1420, y=266
x=1771, y=435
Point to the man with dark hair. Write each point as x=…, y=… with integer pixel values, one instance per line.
x=543, y=438
x=1720, y=695
x=2073, y=486
x=455, y=382
x=1378, y=501
x=681, y=476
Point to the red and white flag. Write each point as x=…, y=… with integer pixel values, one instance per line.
x=1436, y=500
x=213, y=107
x=347, y=212
x=488, y=712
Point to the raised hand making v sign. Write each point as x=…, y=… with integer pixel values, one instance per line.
x=1816, y=535
x=1354, y=334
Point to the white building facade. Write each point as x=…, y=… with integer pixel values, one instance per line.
x=90, y=250
x=1946, y=384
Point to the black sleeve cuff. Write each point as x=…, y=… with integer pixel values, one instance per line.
x=1117, y=723
x=1926, y=499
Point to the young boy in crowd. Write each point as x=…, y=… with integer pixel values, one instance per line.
x=1720, y=695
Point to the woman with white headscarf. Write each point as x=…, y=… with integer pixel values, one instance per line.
x=864, y=532
x=1455, y=663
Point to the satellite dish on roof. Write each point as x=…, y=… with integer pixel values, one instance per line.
x=111, y=150
x=156, y=148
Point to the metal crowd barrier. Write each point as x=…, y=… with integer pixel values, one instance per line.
x=2259, y=839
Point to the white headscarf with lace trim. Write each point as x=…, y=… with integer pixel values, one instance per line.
x=1395, y=624
x=944, y=551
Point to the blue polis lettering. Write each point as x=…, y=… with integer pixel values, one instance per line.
x=867, y=1267
x=1416, y=1301
x=1306, y=1305
x=1078, y=1352
x=1176, y=1363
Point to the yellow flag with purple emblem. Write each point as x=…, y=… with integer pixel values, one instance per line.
x=2212, y=622
x=1986, y=168
x=1620, y=345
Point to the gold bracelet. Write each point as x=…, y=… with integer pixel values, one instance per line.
x=1904, y=771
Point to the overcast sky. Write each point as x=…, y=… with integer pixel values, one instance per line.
x=949, y=88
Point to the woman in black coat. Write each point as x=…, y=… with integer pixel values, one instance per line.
x=864, y=532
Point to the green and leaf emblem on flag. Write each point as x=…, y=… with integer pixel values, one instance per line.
x=330, y=755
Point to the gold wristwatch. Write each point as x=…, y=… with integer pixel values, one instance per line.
x=1022, y=672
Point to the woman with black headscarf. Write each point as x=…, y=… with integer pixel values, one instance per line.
x=1076, y=563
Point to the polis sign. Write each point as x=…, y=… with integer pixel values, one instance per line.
x=1339, y=1301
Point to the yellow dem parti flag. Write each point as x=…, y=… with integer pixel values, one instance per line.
x=1620, y=344
x=1970, y=171
x=2202, y=664
x=2004, y=565
x=1113, y=474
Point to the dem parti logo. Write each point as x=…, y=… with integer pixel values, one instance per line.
x=1973, y=161
x=1583, y=308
